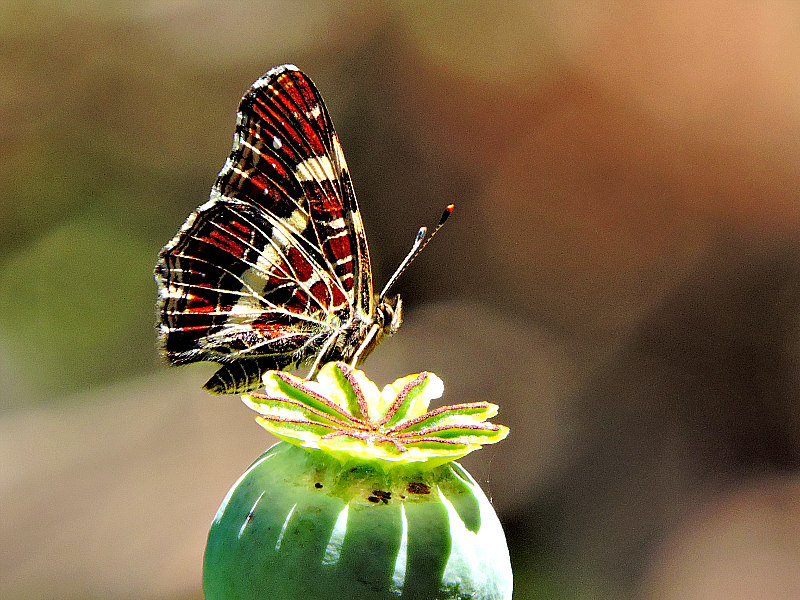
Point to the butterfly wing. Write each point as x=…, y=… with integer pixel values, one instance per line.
x=275, y=264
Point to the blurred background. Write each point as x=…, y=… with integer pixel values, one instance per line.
x=621, y=275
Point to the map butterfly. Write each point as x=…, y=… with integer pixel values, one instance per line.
x=273, y=272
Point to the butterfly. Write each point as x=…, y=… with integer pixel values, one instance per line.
x=273, y=271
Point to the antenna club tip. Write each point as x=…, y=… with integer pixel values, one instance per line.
x=447, y=211
x=419, y=244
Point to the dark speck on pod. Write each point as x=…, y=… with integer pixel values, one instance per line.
x=418, y=488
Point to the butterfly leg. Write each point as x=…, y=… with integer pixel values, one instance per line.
x=370, y=335
x=327, y=346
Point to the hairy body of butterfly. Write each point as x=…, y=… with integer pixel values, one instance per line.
x=273, y=272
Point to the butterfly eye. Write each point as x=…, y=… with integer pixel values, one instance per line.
x=390, y=313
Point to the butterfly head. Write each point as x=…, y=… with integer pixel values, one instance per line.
x=387, y=320
x=389, y=315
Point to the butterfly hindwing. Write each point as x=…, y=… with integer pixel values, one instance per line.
x=275, y=265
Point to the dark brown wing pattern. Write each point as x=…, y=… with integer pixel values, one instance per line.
x=274, y=269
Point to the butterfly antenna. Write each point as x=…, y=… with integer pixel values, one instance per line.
x=418, y=246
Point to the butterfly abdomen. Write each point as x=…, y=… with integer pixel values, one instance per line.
x=240, y=376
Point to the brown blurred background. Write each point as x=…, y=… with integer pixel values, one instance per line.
x=621, y=274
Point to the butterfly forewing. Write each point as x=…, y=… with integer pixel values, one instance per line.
x=276, y=263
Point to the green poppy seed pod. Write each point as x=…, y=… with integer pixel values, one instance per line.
x=299, y=525
x=362, y=500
